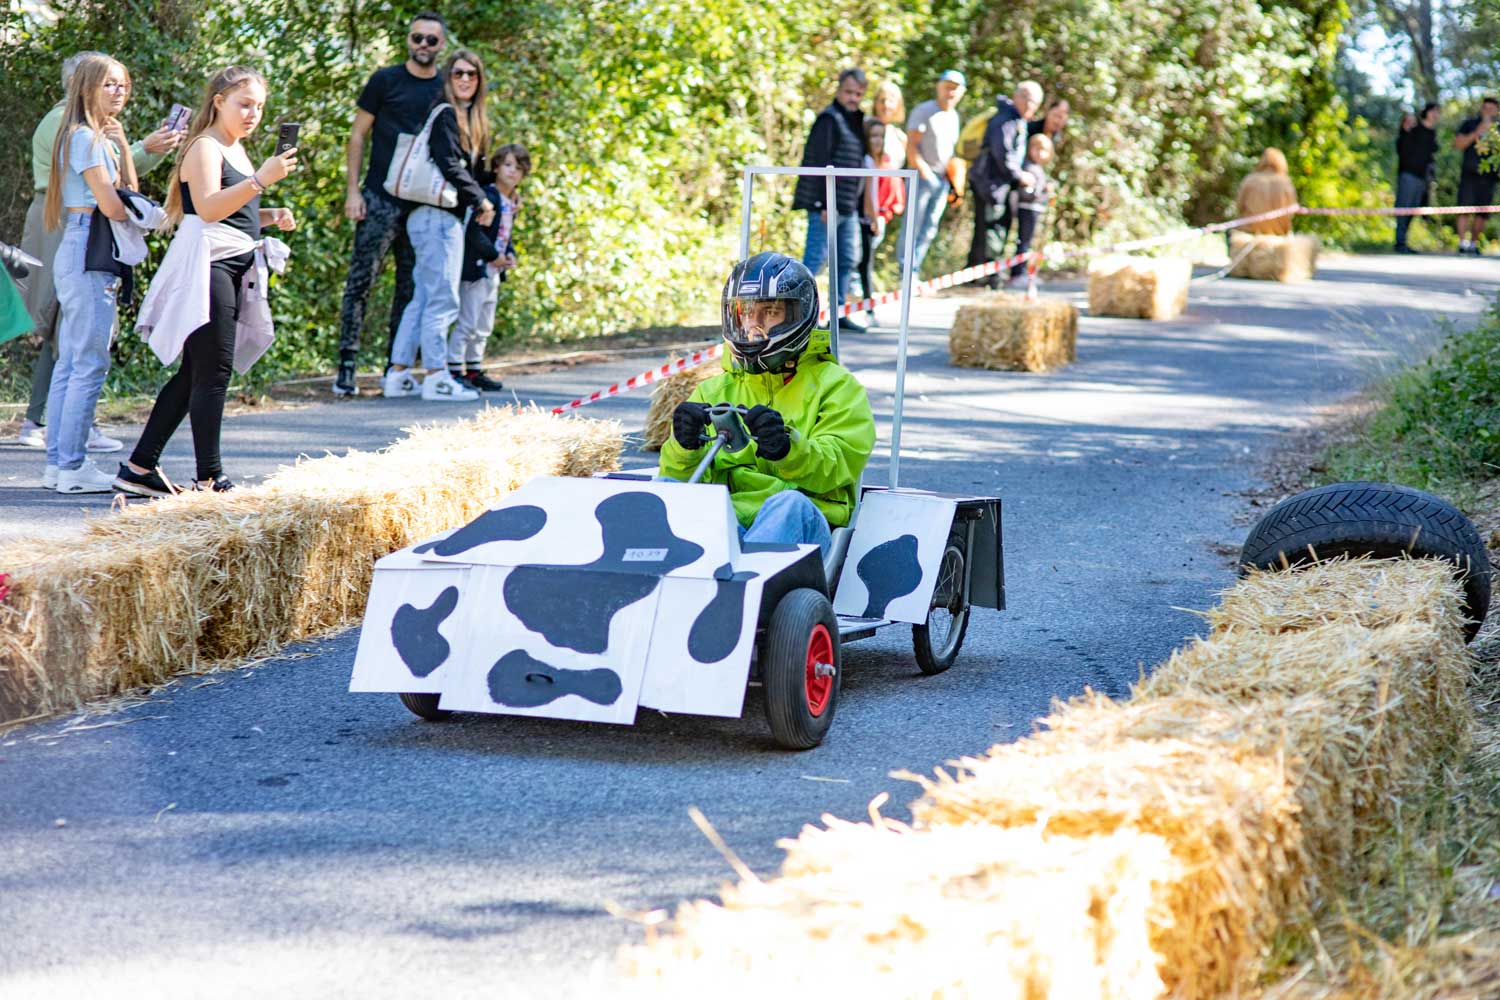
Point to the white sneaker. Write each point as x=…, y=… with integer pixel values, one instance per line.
x=32, y=435
x=441, y=385
x=399, y=384
x=102, y=442
x=49, y=478
x=87, y=478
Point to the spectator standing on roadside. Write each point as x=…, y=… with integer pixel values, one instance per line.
x=396, y=99
x=90, y=160
x=39, y=290
x=997, y=172
x=1050, y=126
x=1416, y=155
x=1030, y=203
x=836, y=139
x=884, y=198
x=889, y=108
x=931, y=136
x=489, y=257
x=1476, y=181
x=460, y=135
x=215, y=261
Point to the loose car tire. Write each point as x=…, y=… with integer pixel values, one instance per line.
x=1377, y=519
x=425, y=705
x=934, y=646
x=802, y=640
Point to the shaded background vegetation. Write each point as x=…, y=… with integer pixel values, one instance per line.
x=640, y=113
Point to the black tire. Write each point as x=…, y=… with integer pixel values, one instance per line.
x=799, y=706
x=1376, y=519
x=425, y=705
x=936, y=642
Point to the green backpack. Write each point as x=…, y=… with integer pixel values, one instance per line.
x=14, y=319
x=971, y=139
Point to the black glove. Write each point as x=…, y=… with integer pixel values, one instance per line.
x=772, y=441
x=688, y=421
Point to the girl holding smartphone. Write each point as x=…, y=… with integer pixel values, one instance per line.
x=214, y=197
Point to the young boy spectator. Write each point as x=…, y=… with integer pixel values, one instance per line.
x=489, y=254
x=1031, y=203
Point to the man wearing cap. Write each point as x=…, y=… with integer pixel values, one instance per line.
x=931, y=135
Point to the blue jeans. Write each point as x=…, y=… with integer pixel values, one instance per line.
x=437, y=238
x=1409, y=191
x=926, y=211
x=789, y=518
x=816, y=253
x=85, y=324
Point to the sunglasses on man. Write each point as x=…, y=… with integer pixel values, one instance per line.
x=431, y=41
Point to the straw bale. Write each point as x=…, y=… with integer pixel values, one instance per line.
x=1273, y=258
x=665, y=397
x=177, y=583
x=1012, y=333
x=1139, y=287
x=949, y=912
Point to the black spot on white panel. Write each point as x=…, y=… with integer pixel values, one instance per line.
x=716, y=630
x=520, y=680
x=572, y=606
x=508, y=524
x=414, y=633
x=889, y=570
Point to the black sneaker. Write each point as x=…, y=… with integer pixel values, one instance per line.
x=143, y=484
x=479, y=380
x=343, y=382
x=221, y=484
x=847, y=325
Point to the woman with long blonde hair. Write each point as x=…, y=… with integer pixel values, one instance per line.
x=215, y=182
x=460, y=134
x=90, y=159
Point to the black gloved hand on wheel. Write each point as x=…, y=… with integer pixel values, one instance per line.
x=688, y=421
x=772, y=440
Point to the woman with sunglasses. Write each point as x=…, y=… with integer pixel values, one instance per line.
x=460, y=135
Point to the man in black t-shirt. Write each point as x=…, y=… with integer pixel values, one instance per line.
x=1416, y=148
x=1476, y=182
x=396, y=99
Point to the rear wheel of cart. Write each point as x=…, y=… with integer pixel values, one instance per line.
x=936, y=642
x=425, y=705
x=801, y=669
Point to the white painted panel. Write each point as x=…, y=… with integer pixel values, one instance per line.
x=891, y=569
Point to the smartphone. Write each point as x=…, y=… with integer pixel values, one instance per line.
x=286, y=136
x=178, y=118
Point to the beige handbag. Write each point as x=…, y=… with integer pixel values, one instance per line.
x=413, y=176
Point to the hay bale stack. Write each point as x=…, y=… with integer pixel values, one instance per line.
x=1011, y=333
x=960, y=912
x=1139, y=287
x=1273, y=258
x=665, y=397
x=177, y=583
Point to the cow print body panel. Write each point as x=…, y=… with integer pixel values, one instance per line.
x=508, y=524
x=572, y=606
x=414, y=633
x=520, y=680
x=716, y=630
x=889, y=570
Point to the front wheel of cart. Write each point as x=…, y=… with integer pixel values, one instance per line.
x=801, y=669
x=936, y=642
x=425, y=705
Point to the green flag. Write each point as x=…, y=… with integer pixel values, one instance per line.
x=14, y=319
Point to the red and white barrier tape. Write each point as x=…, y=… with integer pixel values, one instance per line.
x=996, y=266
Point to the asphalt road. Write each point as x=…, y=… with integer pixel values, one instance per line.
x=263, y=832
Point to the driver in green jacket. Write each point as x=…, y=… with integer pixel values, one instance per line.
x=809, y=420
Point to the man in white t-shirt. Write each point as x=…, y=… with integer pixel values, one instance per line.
x=931, y=135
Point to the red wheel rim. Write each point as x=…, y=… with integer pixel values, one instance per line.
x=819, y=688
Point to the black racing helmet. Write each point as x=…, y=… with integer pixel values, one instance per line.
x=770, y=306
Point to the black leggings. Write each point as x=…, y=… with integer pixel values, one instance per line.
x=866, y=258
x=198, y=388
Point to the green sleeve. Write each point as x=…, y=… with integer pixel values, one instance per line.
x=41, y=147
x=834, y=453
x=676, y=461
x=144, y=162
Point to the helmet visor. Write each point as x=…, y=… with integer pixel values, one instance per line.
x=759, y=322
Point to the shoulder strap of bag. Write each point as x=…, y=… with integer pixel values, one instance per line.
x=432, y=117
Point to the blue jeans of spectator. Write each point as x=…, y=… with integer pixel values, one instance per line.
x=789, y=518
x=1409, y=191
x=86, y=321
x=925, y=213
x=437, y=238
x=847, y=259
